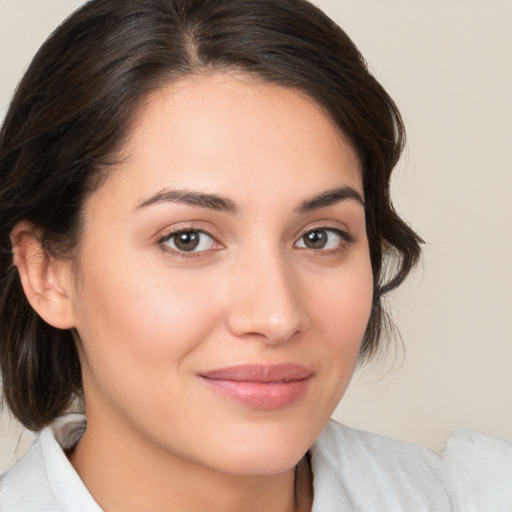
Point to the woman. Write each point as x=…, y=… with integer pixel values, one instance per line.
x=196, y=235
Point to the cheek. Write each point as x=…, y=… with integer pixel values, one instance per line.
x=134, y=324
x=339, y=313
x=342, y=307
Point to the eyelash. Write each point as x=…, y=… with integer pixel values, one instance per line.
x=183, y=254
x=346, y=239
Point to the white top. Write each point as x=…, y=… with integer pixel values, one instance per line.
x=352, y=471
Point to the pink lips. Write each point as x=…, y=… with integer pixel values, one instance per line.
x=261, y=386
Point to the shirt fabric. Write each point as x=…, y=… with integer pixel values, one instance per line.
x=352, y=471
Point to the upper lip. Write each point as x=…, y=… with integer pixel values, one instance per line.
x=286, y=372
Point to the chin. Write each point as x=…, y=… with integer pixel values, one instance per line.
x=261, y=449
x=260, y=463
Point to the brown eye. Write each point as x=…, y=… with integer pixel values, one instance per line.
x=189, y=241
x=322, y=239
x=315, y=239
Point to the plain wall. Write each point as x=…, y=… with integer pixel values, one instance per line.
x=447, y=64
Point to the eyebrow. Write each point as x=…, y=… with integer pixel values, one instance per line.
x=224, y=204
x=330, y=197
x=199, y=199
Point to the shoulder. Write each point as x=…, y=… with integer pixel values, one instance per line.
x=44, y=480
x=478, y=468
x=25, y=487
x=366, y=471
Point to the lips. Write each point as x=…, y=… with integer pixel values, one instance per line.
x=260, y=386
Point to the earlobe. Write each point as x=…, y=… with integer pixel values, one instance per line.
x=45, y=279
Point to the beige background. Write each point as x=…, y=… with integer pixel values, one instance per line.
x=448, y=66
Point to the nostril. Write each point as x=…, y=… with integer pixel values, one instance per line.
x=263, y=325
x=265, y=300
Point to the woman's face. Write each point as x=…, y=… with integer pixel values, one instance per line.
x=224, y=280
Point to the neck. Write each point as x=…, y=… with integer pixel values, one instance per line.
x=123, y=472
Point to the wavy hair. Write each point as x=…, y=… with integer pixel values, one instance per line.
x=72, y=110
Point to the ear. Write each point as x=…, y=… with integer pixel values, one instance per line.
x=46, y=280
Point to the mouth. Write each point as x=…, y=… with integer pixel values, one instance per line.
x=265, y=387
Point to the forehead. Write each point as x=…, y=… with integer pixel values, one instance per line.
x=230, y=133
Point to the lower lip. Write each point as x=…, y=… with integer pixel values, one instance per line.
x=261, y=395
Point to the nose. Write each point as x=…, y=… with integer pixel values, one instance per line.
x=265, y=301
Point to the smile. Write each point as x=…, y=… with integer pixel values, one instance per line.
x=260, y=386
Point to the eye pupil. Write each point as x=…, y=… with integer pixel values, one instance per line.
x=315, y=239
x=187, y=240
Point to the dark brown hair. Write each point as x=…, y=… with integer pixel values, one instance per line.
x=73, y=107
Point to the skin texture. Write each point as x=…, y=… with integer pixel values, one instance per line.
x=152, y=320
